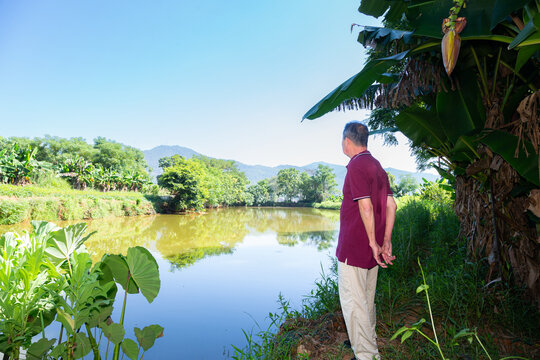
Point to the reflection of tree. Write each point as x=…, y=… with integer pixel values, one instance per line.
x=322, y=239
x=191, y=256
x=185, y=239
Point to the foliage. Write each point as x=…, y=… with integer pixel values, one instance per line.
x=459, y=297
x=439, y=191
x=187, y=182
x=288, y=182
x=263, y=193
x=479, y=127
x=48, y=274
x=18, y=165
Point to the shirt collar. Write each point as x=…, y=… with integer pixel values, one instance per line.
x=365, y=152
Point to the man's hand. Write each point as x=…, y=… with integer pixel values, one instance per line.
x=377, y=252
x=387, y=252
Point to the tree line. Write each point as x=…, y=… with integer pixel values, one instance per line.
x=202, y=182
x=104, y=165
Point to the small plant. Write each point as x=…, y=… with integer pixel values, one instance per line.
x=48, y=274
x=407, y=332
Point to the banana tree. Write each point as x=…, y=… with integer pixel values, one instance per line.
x=464, y=88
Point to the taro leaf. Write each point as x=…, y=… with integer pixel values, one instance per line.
x=38, y=349
x=82, y=346
x=114, y=332
x=505, y=145
x=422, y=288
x=66, y=320
x=130, y=348
x=120, y=271
x=66, y=241
x=99, y=315
x=144, y=270
x=58, y=351
x=147, y=336
x=355, y=87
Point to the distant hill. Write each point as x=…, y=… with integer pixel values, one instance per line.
x=256, y=173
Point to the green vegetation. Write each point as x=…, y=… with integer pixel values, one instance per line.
x=460, y=299
x=47, y=275
x=107, y=165
x=20, y=203
x=474, y=117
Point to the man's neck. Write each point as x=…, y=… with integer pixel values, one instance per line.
x=357, y=150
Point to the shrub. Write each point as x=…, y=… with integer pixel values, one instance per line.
x=12, y=212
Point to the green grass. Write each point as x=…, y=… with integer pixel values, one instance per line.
x=459, y=297
x=50, y=202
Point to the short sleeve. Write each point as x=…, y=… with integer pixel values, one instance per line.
x=360, y=184
x=389, y=191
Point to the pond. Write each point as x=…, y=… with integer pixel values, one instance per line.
x=220, y=272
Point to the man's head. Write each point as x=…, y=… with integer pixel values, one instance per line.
x=355, y=138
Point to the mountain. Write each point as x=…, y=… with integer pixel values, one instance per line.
x=256, y=173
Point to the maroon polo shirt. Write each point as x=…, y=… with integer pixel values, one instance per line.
x=365, y=179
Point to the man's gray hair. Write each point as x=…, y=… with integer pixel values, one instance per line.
x=356, y=132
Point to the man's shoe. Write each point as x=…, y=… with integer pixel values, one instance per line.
x=347, y=343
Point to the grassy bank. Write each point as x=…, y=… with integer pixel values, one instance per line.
x=23, y=203
x=459, y=298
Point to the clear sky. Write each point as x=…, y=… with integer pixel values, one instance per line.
x=229, y=79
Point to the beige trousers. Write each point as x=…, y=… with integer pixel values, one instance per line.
x=357, y=297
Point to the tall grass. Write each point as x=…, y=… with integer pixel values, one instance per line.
x=460, y=298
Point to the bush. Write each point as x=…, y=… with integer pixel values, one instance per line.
x=12, y=212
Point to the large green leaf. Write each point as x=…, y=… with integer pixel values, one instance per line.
x=114, y=332
x=355, y=87
x=82, y=346
x=144, y=270
x=66, y=241
x=382, y=36
x=422, y=127
x=524, y=54
x=120, y=272
x=147, y=336
x=505, y=145
x=38, y=349
x=130, y=348
x=374, y=8
x=530, y=28
x=461, y=111
x=482, y=15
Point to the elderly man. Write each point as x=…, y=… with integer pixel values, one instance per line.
x=366, y=221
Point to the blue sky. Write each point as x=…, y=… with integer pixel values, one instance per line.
x=227, y=79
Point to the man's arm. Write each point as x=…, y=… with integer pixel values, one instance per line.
x=366, y=213
x=390, y=218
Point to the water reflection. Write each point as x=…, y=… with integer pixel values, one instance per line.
x=185, y=239
x=220, y=272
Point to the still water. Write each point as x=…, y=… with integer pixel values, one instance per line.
x=220, y=272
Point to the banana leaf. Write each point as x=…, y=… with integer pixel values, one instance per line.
x=355, y=87
x=530, y=28
x=422, y=127
x=482, y=15
x=505, y=145
x=382, y=36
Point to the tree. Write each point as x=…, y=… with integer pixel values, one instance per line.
x=288, y=182
x=407, y=185
x=261, y=192
x=324, y=182
x=473, y=118
x=186, y=181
